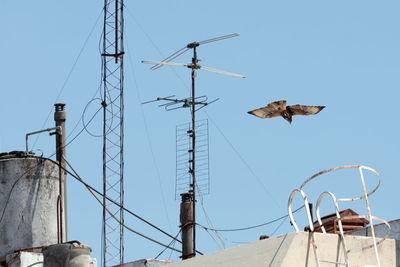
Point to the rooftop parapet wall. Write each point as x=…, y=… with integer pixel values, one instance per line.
x=291, y=250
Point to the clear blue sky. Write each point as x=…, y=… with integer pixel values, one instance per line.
x=341, y=54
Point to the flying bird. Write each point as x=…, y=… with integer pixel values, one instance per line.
x=279, y=108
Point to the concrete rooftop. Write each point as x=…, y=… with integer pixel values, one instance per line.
x=291, y=250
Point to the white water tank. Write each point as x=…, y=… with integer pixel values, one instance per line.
x=29, y=187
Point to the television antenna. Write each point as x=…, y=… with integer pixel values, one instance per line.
x=191, y=102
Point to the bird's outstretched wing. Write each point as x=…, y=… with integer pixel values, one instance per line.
x=304, y=110
x=272, y=110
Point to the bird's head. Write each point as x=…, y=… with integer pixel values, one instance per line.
x=287, y=116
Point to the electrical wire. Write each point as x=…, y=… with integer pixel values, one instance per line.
x=98, y=90
x=83, y=118
x=92, y=191
x=79, y=133
x=209, y=222
x=251, y=227
x=244, y=242
x=87, y=104
x=226, y=139
x=279, y=226
x=11, y=190
x=271, y=234
x=28, y=170
x=78, y=178
x=215, y=239
x=244, y=161
x=236, y=242
x=170, y=244
x=70, y=72
x=148, y=137
x=155, y=47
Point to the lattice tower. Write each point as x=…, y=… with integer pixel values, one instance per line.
x=113, y=131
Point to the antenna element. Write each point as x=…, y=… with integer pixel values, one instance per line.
x=191, y=102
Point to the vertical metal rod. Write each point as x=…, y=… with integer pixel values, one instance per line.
x=194, y=62
x=60, y=118
x=369, y=216
x=121, y=229
x=60, y=188
x=58, y=220
x=104, y=104
x=116, y=31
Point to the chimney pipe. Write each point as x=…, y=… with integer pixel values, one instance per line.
x=186, y=218
x=60, y=117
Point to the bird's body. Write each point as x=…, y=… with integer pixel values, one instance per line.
x=279, y=108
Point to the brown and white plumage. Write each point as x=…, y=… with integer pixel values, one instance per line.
x=279, y=108
x=271, y=110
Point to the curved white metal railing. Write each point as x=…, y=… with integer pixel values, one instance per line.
x=337, y=212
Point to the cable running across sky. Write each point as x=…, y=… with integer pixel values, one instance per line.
x=250, y=227
x=93, y=190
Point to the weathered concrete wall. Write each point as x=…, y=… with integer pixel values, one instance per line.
x=290, y=250
x=22, y=259
x=381, y=230
x=28, y=202
x=67, y=255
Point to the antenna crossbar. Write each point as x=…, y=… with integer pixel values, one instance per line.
x=173, y=103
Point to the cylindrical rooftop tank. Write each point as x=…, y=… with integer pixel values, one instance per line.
x=29, y=188
x=67, y=255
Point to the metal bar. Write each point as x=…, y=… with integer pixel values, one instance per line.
x=116, y=31
x=59, y=129
x=342, y=239
x=218, y=38
x=157, y=99
x=193, y=109
x=104, y=70
x=164, y=63
x=221, y=72
x=172, y=57
x=369, y=215
x=122, y=191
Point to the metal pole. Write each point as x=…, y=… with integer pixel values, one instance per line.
x=116, y=31
x=58, y=130
x=186, y=219
x=60, y=117
x=194, y=62
x=60, y=203
x=104, y=104
x=121, y=156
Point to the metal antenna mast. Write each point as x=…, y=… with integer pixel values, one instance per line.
x=113, y=131
x=192, y=103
